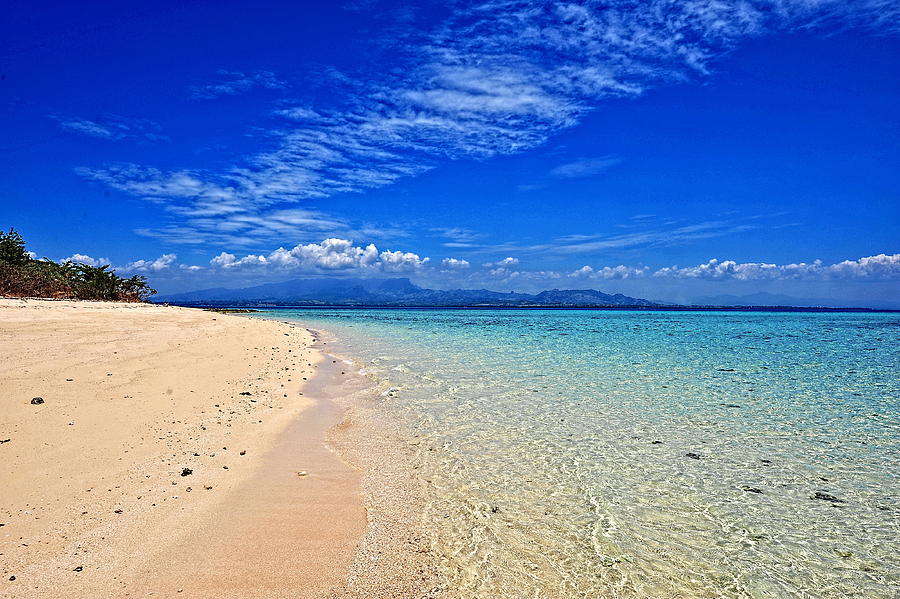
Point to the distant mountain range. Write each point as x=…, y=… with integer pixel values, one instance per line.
x=390, y=292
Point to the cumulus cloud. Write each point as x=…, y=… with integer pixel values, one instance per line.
x=610, y=272
x=455, y=264
x=164, y=262
x=881, y=266
x=85, y=259
x=331, y=255
x=505, y=263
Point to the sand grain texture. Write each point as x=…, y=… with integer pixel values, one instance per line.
x=91, y=478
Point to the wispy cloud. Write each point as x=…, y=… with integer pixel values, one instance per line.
x=111, y=127
x=498, y=77
x=232, y=83
x=585, y=167
x=655, y=237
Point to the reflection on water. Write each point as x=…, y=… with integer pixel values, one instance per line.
x=647, y=454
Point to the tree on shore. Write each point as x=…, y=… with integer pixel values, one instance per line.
x=21, y=275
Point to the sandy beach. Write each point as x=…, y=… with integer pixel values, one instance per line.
x=173, y=452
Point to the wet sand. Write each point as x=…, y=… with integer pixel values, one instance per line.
x=96, y=500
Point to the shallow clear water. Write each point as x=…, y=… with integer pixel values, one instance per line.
x=554, y=447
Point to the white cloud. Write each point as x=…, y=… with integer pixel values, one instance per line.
x=232, y=83
x=878, y=267
x=609, y=272
x=299, y=113
x=584, y=167
x=496, y=78
x=506, y=262
x=111, y=127
x=882, y=266
x=330, y=255
x=455, y=264
x=85, y=259
x=164, y=262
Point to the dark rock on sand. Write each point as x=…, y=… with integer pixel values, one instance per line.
x=78, y=569
x=825, y=497
x=36, y=401
x=2, y=441
x=186, y=472
x=245, y=393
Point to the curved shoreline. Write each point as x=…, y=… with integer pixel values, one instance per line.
x=165, y=458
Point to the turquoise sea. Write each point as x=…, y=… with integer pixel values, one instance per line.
x=570, y=453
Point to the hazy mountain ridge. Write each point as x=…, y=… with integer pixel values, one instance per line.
x=392, y=292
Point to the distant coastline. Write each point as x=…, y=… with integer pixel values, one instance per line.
x=262, y=307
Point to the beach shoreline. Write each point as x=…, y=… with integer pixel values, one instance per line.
x=175, y=451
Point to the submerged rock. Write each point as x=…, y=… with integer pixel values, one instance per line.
x=751, y=489
x=825, y=497
x=692, y=455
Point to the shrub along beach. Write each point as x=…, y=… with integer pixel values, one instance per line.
x=23, y=276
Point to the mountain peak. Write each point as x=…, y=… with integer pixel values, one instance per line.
x=398, y=291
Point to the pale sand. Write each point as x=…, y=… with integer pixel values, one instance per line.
x=151, y=386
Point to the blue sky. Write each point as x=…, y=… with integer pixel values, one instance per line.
x=672, y=150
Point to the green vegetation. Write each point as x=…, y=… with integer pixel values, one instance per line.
x=23, y=276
